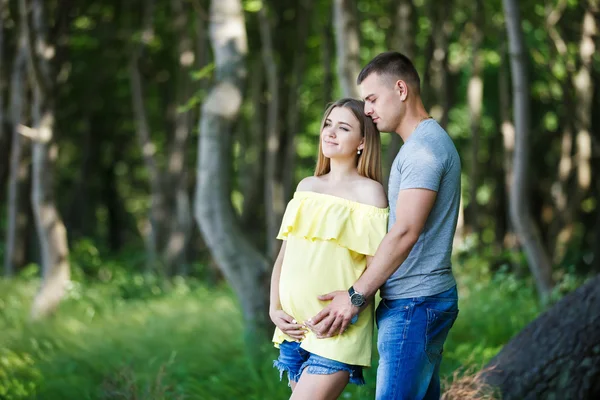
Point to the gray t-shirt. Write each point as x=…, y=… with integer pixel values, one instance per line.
x=427, y=160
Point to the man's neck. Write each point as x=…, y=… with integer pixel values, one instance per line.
x=412, y=119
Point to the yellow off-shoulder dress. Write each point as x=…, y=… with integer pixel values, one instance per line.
x=328, y=239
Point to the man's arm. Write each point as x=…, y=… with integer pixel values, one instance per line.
x=412, y=210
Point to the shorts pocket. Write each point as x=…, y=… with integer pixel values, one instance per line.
x=438, y=325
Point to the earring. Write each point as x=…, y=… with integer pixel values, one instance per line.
x=359, y=151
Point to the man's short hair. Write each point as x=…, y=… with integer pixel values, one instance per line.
x=394, y=64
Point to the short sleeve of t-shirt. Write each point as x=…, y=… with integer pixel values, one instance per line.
x=420, y=169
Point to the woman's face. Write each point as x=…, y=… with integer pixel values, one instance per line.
x=341, y=136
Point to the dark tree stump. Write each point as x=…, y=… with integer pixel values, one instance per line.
x=557, y=356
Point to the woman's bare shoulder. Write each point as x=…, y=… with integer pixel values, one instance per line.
x=308, y=184
x=371, y=192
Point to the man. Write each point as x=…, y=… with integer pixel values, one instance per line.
x=412, y=265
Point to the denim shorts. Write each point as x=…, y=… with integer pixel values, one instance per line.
x=293, y=359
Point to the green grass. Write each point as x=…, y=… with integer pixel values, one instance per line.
x=133, y=340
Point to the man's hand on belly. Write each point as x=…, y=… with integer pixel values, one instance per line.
x=335, y=317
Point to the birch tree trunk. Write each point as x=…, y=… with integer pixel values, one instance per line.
x=347, y=44
x=274, y=202
x=244, y=267
x=16, y=103
x=525, y=226
x=50, y=228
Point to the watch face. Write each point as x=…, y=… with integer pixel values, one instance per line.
x=357, y=300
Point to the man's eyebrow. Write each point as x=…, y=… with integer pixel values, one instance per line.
x=370, y=95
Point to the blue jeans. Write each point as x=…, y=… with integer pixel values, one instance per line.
x=411, y=338
x=293, y=359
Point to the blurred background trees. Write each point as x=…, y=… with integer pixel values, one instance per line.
x=161, y=140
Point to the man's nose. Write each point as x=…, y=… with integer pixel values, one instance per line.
x=368, y=110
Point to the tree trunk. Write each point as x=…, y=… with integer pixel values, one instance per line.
x=347, y=45
x=2, y=5
x=327, y=60
x=557, y=356
x=584, y=90
x=524, y=224
x=274, y=202
x=403, y=40
x=16, y=167
x=293, y=109
x=475, y=101
x=157, y=214
x=50, y=228
x=508, y=141
x=244, y=267
x=442, y=29
x=252, y=165
x=575, y=149
x=180, y=229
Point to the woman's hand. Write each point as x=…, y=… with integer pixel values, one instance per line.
x=287, y=324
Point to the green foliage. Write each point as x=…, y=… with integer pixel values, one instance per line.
x=120, y=338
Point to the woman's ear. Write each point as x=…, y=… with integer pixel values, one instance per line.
x=361, y=146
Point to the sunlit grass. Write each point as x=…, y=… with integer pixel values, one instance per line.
x=187, y=342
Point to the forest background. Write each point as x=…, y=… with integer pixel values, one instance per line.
x=148, y=149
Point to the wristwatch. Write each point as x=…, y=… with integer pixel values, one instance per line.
x=357, y=299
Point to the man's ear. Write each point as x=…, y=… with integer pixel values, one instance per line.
x=402, y=89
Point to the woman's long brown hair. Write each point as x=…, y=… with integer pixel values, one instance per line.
x=368, y=163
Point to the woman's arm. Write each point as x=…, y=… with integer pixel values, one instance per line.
x=280, y=318
x=275, y=304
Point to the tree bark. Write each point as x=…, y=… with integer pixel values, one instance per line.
x=403, y=40
x=16, y=168
x=557, y=356
x=273, y=197
x=347, y=45
x=50, y=228
x=252, y=168
x=584, y=90
x=442, y=29
x=157, y=214
x=2, y=5
x=293, y=109
x=244, y=267
x=475, y=102
x=524, y=224
x=508, y=141
x=180, y=229
x=327, y=60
